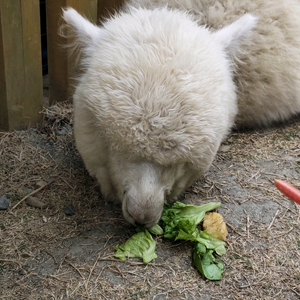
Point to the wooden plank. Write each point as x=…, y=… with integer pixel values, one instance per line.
x=3, y=89
x=20, y=64
x=33, y=81
x=60, y=65
x=108, y=7
x=13, y=71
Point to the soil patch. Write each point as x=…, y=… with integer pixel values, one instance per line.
x=45, y=254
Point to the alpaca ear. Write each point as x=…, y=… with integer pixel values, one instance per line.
x=82, y=31
x=233, y=35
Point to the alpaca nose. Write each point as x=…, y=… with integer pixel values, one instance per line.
x=138, y=215
x=141, y=217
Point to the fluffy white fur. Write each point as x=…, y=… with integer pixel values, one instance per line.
x=158, y=93
x=267, y=73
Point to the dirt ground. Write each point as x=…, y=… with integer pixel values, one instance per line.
x=46, y=254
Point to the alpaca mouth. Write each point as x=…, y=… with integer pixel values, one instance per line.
x=133, y=221
x=126, y=214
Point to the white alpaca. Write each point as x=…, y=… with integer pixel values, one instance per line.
x=158, y=96
x=267, y=72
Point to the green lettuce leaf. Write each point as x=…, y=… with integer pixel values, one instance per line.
x=182, y=219
x=207, y=265
x=209, y=241
x=181, y=222
x=139, y=245
x=212, y=243
x=156, y=229
x=200, y=248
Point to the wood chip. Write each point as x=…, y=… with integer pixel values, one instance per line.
x=35, y=202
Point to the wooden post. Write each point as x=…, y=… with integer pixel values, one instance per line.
x=21, y=85
x=60, y=65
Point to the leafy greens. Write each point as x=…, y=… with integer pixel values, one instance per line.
x=207, y=265
x=139, y=245
x=180, y=222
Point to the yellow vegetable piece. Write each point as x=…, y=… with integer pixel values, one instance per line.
x=214, y=224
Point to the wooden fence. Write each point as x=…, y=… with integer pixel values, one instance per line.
x=21, y=81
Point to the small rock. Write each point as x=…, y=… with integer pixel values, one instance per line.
x=62, y=131
x=225, y=148
x=65, y=130
x=40, y=183
x=35, y=202
x=27, y=191
x=69, y=210
x=4, y=202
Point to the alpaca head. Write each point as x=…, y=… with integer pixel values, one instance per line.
x=144, y=187
x=160, y=95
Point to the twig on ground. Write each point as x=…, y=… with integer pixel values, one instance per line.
x=92, y=269
x=52, y=256
x=273, y=219
x=75, y=269
x=284, y=233
x=285, y=206
x=233, y=228
x=59, y=279
x=11, y=261
x=248, y=225
x=30, y=194
x=255, y=283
